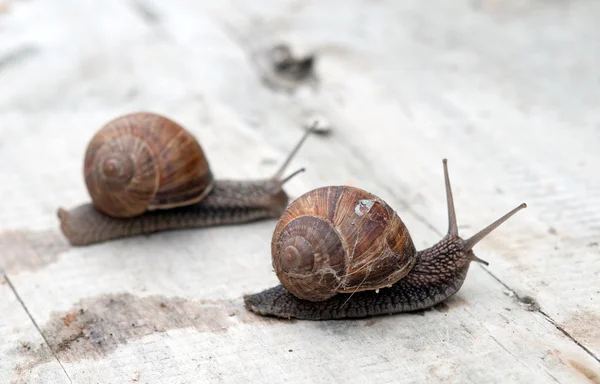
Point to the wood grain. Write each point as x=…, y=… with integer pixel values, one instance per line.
x=504, y=90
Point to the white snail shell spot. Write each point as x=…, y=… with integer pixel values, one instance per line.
x=363, y=207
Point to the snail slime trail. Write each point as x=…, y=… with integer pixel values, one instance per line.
x=341, y=252
x=146, y=174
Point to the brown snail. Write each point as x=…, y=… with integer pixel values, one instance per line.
x=340, y=252
x=145, y=173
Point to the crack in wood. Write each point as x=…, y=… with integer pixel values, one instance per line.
x=567, y=334
x=18, y=297
x=546, y=316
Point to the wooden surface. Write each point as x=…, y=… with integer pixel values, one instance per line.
x=506, y=90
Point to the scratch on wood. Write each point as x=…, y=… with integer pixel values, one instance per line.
x=25, y=250
x=506, y=350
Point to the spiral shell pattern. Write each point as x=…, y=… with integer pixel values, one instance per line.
x=340, y=239
x=144, y=161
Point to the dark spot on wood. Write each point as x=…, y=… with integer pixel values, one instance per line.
x=25, y=250
x=25, y=346
x=281, y=70
x=586, y=371
x=593, y=244
x=290, y=350
x=94, y=327
x=284, y=62
x=529, y=303
x=552, y=231
x=66, y=342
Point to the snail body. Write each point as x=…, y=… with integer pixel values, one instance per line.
x=145, y=174
x=341, y=252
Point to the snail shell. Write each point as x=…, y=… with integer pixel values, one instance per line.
x=340, y=239
x=143, y=161
x=373, y=250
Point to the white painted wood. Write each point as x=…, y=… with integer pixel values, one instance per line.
x=492, y=86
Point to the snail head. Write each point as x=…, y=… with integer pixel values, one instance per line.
x=466, y=245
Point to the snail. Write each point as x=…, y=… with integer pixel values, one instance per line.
x=341, y=252
x=145, y=174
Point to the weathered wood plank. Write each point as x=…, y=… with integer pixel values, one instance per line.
x=180, y=318
x=167, y=308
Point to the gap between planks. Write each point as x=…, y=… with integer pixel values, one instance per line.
x=545, y=315
x=18, y=297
